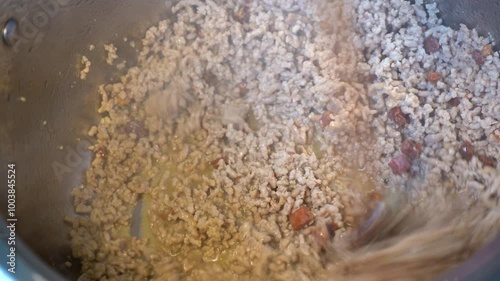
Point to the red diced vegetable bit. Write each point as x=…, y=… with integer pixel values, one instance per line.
x=400, y=164
x=376, y=196
x=397, y=116
x=300, y=218
x=326, y=119
x=431, y=45
x=411, y=149
x=487, y=160
x=433, y=77
x=478, y=57
x=242, y=15
x=215, y=163
x=102, y=152
x=466, y=150
x=454, y=102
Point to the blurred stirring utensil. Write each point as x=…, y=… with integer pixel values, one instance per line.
x=136, y=220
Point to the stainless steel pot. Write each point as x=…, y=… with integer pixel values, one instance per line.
x=45, y=111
